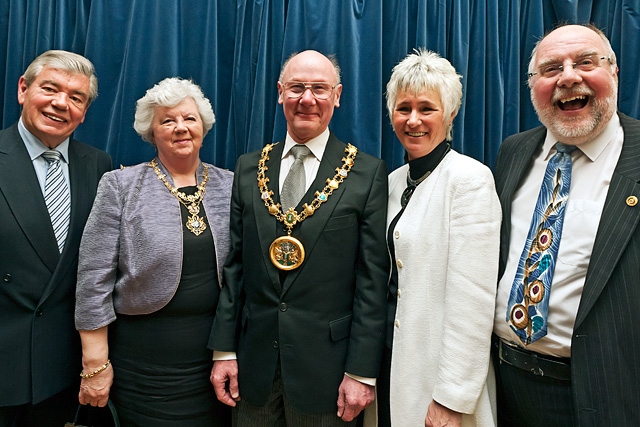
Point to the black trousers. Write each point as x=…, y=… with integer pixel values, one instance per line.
x=278, y=412
x=528, y=400
x=53, y=412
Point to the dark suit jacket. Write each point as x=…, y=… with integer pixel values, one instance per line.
x=39, y=346
x=327, y=316
x=605, y=350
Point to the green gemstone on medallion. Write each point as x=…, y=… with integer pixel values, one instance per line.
x=290, y=218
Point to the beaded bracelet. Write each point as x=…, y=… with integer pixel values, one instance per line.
x=96, y=372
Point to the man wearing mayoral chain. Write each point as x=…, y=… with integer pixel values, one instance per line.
x=300, y=324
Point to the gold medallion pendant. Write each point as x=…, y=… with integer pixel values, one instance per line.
x=196, y=224
x=287, y=252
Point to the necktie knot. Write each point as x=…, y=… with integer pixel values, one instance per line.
x=564, y=148
x=52, y=156
x=299, y=151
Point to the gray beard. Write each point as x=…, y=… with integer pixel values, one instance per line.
x=577, y=128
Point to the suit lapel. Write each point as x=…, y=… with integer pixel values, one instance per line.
x=513, y=170
x=25, y=198
x=618, y=220
x=80, y=165
x=266, y=224
x=308, y=232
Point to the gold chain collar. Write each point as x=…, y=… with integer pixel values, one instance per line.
x=195, y=223
x=287, y=252
x=291, y=217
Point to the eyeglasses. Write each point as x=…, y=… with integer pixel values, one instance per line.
x=319, y=89
x=585, y=64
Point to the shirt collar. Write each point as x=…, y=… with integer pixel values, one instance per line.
x=316, y=145
x=36, y=148
x=593, y=148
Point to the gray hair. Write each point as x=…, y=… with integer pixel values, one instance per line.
x=68, y=62
x=332, y=58
x=169, y=93
x=611, y=55
x=422, y=71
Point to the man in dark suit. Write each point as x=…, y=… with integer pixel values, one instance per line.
x=585, y=370
x=303, y=304
x=39, y=346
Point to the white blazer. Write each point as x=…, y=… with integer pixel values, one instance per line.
x=446, y=249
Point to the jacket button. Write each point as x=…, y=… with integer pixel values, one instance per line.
x=6, y=277
x=39, y=312
x=397, y=323
x=283, y=306
x=399, y=293
x=275, y=344
x=399, y=263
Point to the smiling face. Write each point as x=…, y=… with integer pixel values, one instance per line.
x=177, y=131
x=575, y=105
x=307, y=116
x=54, y=104
x=419, y=122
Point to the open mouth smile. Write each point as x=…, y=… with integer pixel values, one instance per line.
x=54, y=118
x=573, y=103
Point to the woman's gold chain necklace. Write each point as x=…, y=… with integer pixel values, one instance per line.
x=195, y=223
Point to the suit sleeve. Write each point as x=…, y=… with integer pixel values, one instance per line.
x=224, y=332
x=372, y=275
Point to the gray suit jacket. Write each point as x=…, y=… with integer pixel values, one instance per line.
x=605, y=350
x=39, y=347
x=131, y=250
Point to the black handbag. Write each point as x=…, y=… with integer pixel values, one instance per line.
x=90, y=416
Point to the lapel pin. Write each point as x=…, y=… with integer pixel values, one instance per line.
x=632, y=201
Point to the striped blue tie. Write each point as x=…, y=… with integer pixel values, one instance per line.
x=529, y=298
x=57, y=197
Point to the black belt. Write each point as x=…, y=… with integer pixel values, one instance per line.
x=537, y=364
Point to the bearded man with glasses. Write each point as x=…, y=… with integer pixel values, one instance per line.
x=301, y=315
x=566, y=343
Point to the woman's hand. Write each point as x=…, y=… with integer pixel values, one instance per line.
x=441, y=416
x=94, y=391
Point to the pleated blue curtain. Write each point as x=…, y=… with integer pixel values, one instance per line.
x=234, y=50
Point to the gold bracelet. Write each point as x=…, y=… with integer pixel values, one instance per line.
x=96, y=372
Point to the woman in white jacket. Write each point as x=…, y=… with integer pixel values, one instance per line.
x=443, y=237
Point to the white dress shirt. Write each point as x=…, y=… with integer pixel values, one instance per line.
x=593, y=166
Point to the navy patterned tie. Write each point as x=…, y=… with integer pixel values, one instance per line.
x=57, y=197
x=294, y=184
x=529, y=298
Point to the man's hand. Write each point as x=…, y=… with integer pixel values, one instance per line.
x=441, y=416
x=353, y=397
x=224, y=377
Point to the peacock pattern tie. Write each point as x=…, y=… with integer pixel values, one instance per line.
x=57, y=197
x=294, y=185
x=528, y=305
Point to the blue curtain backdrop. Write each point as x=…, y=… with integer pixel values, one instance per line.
x=234, y=50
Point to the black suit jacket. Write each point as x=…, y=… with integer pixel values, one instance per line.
x=327, y=316
x=39, y=345
x=605, y=349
